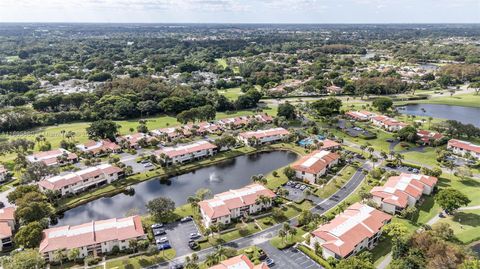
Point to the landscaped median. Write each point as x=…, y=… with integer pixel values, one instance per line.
x=160, y=173
x=141, y=260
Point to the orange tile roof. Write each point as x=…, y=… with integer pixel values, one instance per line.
x=185, y=149
x=221, y=204
x=239, y=262
x=357, y=223
x=265, y=133
x=464, y=145
x=7, y=214
x=95, y=232
x=315, y=162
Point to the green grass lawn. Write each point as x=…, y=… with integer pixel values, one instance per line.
x=337, y=182
x=470, y=100
x=141, y=261
x=232, y=93
x=287, y=241
x=222, y=62
x=465, y=225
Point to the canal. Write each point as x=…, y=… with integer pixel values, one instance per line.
x=231, y=174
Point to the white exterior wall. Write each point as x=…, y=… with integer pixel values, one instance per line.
x=307, y=176
x=79, y=186
x=462, y=152
x=189, y=156
x=388, y=208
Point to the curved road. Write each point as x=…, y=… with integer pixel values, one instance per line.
x=269, y=233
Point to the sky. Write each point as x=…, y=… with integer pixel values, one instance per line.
x=241, y=11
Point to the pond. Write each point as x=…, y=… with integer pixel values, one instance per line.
x=231, y=174
x=459, y=113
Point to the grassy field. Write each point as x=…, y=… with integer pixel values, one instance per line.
x=232, y=93
x=465, y=225
x=470, y=100
x=141, y=261
x=335, y=183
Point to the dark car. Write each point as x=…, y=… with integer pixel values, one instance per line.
x=164, y=246
x=193, y=245
x=262, y=255
x=186, y=219
x=269, y=262
x=176, y=266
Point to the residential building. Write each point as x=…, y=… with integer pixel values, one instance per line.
x=134, y=140
x=314, y=165
x=233, y=204
x=360, y=115
x=388, y=123
x=171, y=133
x=82, y=180
x=185, y=153
x=358, y=227
x=3, y=173
x=239, y=122
x=203, y=128
x=98, y=148
x=239, y=262
x=334, y=89
x=328, y=144
x=7, y=226
x=92, y=238
x=260, y=137
x=402, y=191
x=461, y=148
x=53, y=157
x=429, y=138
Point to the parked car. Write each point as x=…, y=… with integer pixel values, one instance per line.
x=186, y=219
x=193, y=245
x=158, y=232
x=2, y=205
x=195, y=235
x=164, y=246
x=161, y=240
x=176, y=266
x=262, y=255
x=269, y=261
x=146, y=165
x=303, y=187
x=157, y=225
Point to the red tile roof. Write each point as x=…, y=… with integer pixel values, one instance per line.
x=357, y=223
x=464, y=145
x=60, y=181
x=221, y=204
x=315, y=162
x=265, y=133
x=7, y=214
x=185, y=149
x=239, y=262
x=50, y=157
x=5, y=230
x=95, y=232
x=99, y=146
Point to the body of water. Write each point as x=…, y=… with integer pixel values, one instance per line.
x=459, y=113
x=231, y=174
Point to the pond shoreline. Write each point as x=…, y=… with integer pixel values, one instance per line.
x=159, y=173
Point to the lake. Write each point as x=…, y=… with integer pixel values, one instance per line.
x=231, y=174
x=458, y=113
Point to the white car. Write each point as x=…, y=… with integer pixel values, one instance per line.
x=161, y=240
x=195, y=235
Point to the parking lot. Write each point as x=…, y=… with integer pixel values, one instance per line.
x=178, y=235
x=295, y=190
x=288, y=258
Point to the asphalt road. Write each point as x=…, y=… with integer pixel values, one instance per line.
x=264, y=236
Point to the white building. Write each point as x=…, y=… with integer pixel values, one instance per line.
x=53, y=157
x=7, y=226
x=314, y=165
x=100, y=147
x=262, y=137
x=92, y=238
x=3, y=173
x=239, y=262
x=82, y=180
x=388, y=123
x=185, y=153
x=357, y=228
x=402, y=191
x=224, y=207
x=461, y=148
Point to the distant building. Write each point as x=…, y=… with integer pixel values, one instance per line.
x=314, y=165
x=402, y=191
x=57, y=157
x=388, y=123
x=92, y=238
x=239, y=262
x=7, y=226
x=334, y=89
x=233, y=204
x=203, y=128
x=98, y=148
x=185, y=153
x=133, y=140
x=171, y=133
x=262, y=137
x=82, y=180
x=360, y=115
x=241, y=121
x=428, y=138
x=357, y=228
x=328, y=144
x=3, y=173
x=461, y=148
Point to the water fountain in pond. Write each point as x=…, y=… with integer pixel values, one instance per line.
x=213, y=177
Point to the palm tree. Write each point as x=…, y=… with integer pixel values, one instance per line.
x=59, y=256
x=73, y=254
x=221, y=253
x=371, y=150
x=211, y=259
x=263, y=200
x=282, y=234
x=193, y=201
x=383, y=154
